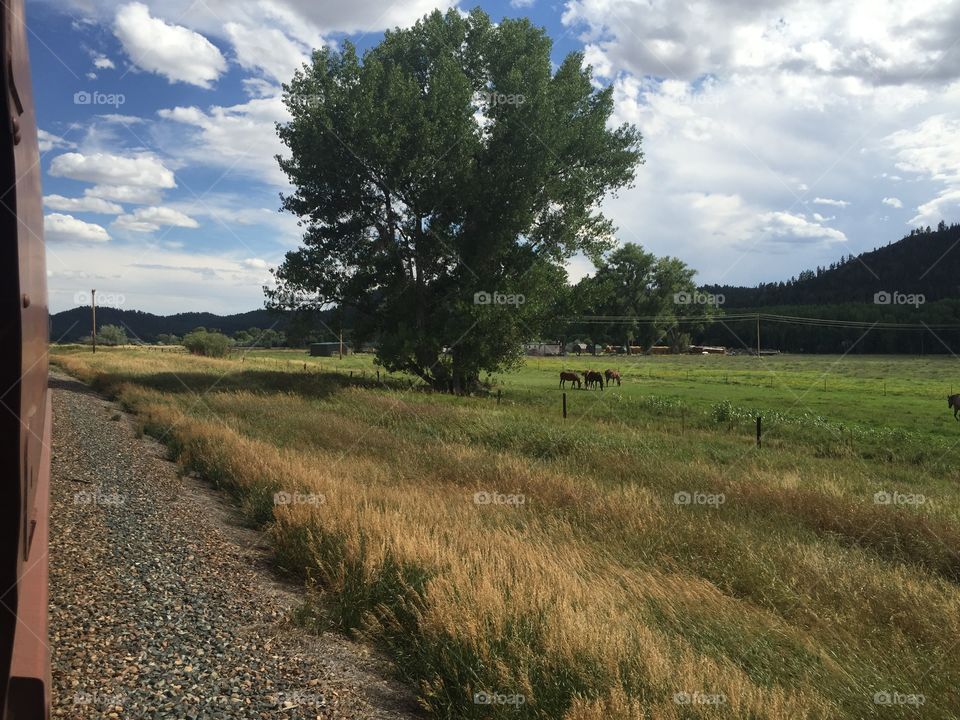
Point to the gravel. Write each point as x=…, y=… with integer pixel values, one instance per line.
x=163, y=606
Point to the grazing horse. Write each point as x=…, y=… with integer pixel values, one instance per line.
x=612, y=375
x=571, y=376
x=592, y=377
x=953, y=401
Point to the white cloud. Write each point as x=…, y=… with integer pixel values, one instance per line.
x=125, y=194
x=931, y=149
x=66, y=228
x=268, y=50
x=787, y=227
x=156, y=277
x=150, y=219
x=880, y=43
x=892, y=202
x=830, y=201
x=946, y=206
x=143, y=170
x=176, y=52
x=102, y=62
x=256, y=263
x=86, y=203
x=241, y=137
x=49, y=141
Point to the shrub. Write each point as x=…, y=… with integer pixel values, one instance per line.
x=723, y=411
x=210, y=344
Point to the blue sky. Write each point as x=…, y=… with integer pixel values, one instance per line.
x=778, y=137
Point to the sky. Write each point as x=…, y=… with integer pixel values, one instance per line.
x=778, y=135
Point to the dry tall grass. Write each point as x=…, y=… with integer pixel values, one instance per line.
x=598, y=596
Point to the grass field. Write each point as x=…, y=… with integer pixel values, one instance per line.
x=640, y=559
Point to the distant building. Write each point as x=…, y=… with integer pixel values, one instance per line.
x=707, y=350
x=328, y=349
x=542, y=349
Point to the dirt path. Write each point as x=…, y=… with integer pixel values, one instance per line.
x=162, y=606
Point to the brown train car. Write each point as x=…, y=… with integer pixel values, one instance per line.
x=25, y=416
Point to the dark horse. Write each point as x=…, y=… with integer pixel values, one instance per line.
x=592, y=377
x=953, y=401
x=571, y=376
x=611, y=376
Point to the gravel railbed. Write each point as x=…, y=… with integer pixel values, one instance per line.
x=163, y=606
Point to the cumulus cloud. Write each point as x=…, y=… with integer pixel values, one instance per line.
x=240, y=137
x=86, y=203
x=125, y=194
x=174, y=51
x=143, y=170
x=946, y=206
x=831, y=201
x=787, y=227
x=930, y=148
x=892, y=202
x=879, y=43
x=267, y=50
x=150, y=219
x=102, y=62
x=66, y=228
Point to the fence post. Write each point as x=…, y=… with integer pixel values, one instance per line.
x=498, y=396
x=564, y=406
x=758, y=431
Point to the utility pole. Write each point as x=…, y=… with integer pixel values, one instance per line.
x=758, y=334
x=93, y=313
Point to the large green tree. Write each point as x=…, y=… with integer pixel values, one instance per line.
x=442, y=179
x=648, y=296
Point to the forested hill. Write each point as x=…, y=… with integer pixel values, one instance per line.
x=71, y=325
x=925, y=262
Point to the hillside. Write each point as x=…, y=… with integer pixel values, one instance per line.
x=923, y=262
x=71, y=325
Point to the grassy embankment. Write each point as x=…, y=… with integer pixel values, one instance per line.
x=599, y=596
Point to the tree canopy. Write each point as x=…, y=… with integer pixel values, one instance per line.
x=442, y=179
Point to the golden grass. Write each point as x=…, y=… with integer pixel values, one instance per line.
x=597, y=597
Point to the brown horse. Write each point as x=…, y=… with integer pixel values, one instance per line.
x=611, y=376
x=953, y=401
x=592, y=377
x=571, y=376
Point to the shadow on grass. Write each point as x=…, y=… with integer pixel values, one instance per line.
x=307, y=384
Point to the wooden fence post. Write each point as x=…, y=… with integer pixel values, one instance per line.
x=758, y=431
x=564, y=406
